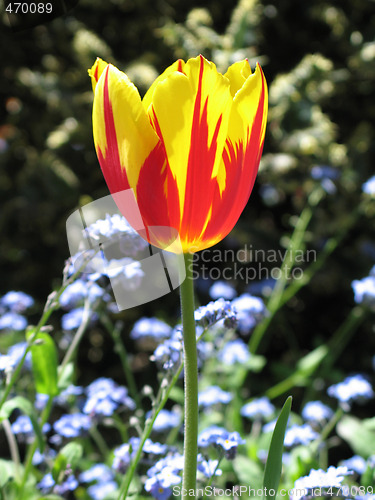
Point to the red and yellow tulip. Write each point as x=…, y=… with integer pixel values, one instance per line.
x=190, y=149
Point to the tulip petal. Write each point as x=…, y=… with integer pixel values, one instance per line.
x=241, y=156
x=237, y=75
x=96, y=71
x=190, y=111
x=245, y=107
x=176, y=66
x=123, y=134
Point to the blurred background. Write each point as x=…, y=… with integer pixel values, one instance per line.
x=318, y=57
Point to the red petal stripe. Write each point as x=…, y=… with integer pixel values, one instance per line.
x=199, y=185
x=114, y=173
x=241, y=165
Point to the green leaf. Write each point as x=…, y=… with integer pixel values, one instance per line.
x=18, y=402
x=65, y=376
x=44, y=364
x=272, y=472
x=360, y=438
x=248, y=472
x=69, y=455
x=6, y=472
x=309, y=363
x=21, y=403
x=177, y=395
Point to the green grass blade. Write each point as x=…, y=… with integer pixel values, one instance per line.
x=272, y=472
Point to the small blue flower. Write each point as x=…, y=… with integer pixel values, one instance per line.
x=229, y=443
x=299, y=434
x=163, y=475
x=75, y=293
x=211, y=435
x=364, y=291
x=222, y=439
x=126, y=273
x=168, y=477
x=207, y=316
x=116, y=229
x=150, y=328
x=168, y=354
x=71, y=391
x=41, y=458
x=153, y=448
x=105, y=396
x=12, y=321
x=73, y=319
x=250, y=310
x=13, y=357
x=111, y=226
x=154, y=485
x=73, y=425
x=98, y=472
x=16, y=302
x=369, y=186
x=326, y=175
x=165, y=420
x=316, y=411
x=269, y=426
x=234, y=351
x=353, y=388
x=16, y=351
x=320, y=172
x=70, y=484
x=23, y=425
x=208, y=467
x=356, y=463
x=328, y=186
x=47, y=483
x=123, y=455
x=40, y=401
x=332, y=478
x=6, y=363
x=258, y=408
x=213, y=395
x=101, y=490
x=222, y=289
x=174, y=462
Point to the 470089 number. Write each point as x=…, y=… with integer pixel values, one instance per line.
x=29, y=8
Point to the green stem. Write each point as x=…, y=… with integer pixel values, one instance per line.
x=115, y=332
x=99, y=441
x=162, y=397
x=160, y=401
x=273, y=305
x=334, y=347
x=33, y=447
x=191, y=379
x=47, y=410
x=13, y=447
x=281, y=295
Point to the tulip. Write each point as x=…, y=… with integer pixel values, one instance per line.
x=189, y=150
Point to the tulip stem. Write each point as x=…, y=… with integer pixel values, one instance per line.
x=191, y=379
